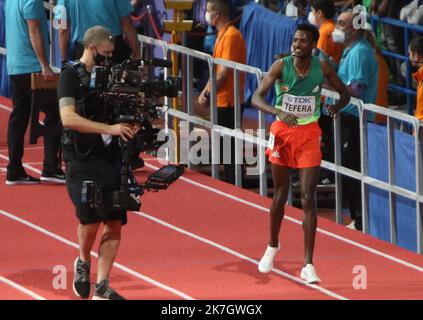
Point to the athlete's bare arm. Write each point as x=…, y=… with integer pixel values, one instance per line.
x=260, y=103
x=337, y=84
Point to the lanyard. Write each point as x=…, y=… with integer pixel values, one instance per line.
x=220, y=38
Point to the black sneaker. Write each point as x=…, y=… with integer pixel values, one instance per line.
x=104, y=292
x=81, y=279
x=21, y=180
x=54, y=177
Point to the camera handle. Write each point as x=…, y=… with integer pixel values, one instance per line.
x=127, y=148
x=124, y=198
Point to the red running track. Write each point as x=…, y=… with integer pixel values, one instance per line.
x=200, y=239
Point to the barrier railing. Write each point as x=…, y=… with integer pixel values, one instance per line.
x=336, y=167
x=367, y=180
x=407, y=28
x=216, y=130
x=260, y=140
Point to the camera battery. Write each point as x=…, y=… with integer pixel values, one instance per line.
x=91, y=194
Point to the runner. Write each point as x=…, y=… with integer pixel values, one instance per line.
x=295, y=136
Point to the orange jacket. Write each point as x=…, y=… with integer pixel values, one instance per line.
x=230, y=45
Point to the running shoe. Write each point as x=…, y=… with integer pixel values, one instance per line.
x=81, y=280
x=266, y=263
x=308, y=274
x=53, y=177
x=22, y=180
x=104, y=292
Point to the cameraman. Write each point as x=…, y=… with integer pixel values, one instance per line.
x=114, y=15
x=91, y=154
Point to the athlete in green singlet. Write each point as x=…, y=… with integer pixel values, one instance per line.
x=295, y=136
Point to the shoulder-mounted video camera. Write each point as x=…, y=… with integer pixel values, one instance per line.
x=131, y=95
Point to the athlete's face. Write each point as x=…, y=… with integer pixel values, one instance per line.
x=302, y=44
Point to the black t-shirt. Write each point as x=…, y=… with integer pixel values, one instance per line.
x=74, y=83
x=70, y=83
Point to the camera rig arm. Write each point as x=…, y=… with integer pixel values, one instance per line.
x=163, y=178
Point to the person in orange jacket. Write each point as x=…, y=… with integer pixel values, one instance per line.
x=415, y=51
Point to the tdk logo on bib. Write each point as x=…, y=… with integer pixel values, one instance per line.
x=299, y=106
x=302, y=100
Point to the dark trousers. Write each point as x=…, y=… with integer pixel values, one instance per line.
x=18, y=124
x=121, y=53
x=350, y=141
x=327, y=147
x=225, y=117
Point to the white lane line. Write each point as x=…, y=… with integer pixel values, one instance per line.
x=30, y=163
x=237, y=254
x=26, y=148
x=25, y=165
x=261, y=208
x=94, y=254
x=2, y=106
x=330, y=234
x=21, y=289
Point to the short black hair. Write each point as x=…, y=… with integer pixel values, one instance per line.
x=301, y=4
x=327, y=7
x=307, y=27
x=223, y=5
x=416, y=45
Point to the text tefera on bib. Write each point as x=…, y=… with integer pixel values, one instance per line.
x=300, y=106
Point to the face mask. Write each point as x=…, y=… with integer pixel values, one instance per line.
x=338, y=36
x=312, y=19
x=209, y=18
x=99, y=59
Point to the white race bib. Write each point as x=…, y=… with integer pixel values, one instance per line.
x=299, y=106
